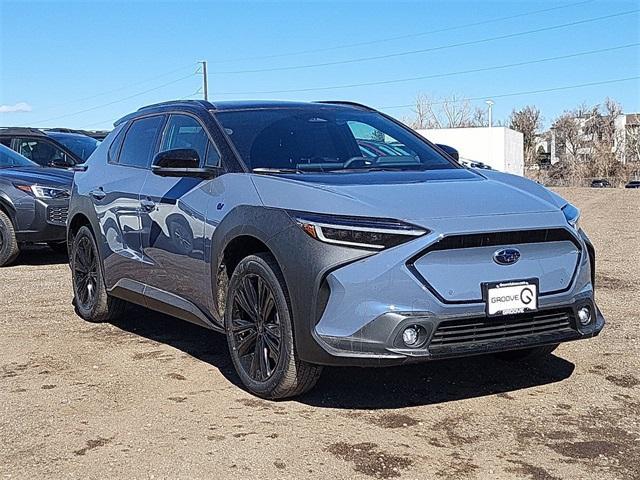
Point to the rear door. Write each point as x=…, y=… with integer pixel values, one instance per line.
x=117, y=198
x=173, y=216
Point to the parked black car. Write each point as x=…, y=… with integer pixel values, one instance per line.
x=97, y=134
x=34, y=203
x=633, y=184
x=600, y=183
x=49, y=148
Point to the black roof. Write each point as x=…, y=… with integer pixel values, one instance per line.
x=41, y=132
x=32, y=132
x=227, y=105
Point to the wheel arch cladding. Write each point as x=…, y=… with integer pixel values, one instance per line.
x=244, y=231
x=79, y=220
x=303, y=261
x=7, y=207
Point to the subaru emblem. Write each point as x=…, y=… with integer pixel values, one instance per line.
x=506, y=256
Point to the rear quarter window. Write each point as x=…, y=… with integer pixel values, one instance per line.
x=116, y=144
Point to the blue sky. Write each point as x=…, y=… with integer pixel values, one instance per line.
x=84, y=64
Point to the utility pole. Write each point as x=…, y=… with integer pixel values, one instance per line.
x=205, y=80
x=490, y=103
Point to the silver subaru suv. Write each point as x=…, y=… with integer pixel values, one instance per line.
x=326, y=233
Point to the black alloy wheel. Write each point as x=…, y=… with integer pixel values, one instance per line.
x=259, y=326
x=85, y=270
x=91, y=299
x=256, y=327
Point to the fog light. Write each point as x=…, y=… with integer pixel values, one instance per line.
x=411, y=335
x=584, y=315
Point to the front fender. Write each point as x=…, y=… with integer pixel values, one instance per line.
x=304, y=263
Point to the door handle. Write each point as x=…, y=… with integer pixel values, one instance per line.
x=98, y=193
x=148, y=205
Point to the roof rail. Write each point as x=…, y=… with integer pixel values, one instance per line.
x=204, y=103
x=348, y=104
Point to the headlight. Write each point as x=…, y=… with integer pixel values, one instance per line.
x=360, y=232
x=572, y=214
x=40, y=191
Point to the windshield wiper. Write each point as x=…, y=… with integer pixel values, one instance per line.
x=388, y=168
x=275, y=170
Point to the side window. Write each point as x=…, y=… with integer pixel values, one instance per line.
x=213, y=157
x=42, y=152
x=183, y=131
x=114, y=148
x=6, y=141
x=375, y=143
x=140, y=141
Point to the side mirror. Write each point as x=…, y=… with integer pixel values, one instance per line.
x=452, y=152
x=180, y=162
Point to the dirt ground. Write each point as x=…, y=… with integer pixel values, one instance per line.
x=153, y=397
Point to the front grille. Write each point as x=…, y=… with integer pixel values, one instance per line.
x=488, y=329
x=57, y=215
x=495, y=239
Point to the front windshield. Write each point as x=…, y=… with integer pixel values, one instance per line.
x=10, y=159
x=81, y=145
x=326, y=139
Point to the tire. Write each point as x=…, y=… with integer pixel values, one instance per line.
x=9, y=249
x=58, y=247
x=258, y=318
x=535, y=353
x=90, y=297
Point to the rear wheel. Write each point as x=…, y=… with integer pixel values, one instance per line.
x=8, y=243
x=260, y=333
x=90, y=295
x=535, y=353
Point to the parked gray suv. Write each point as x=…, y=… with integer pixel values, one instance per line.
x=324, y=233
x=34, y=202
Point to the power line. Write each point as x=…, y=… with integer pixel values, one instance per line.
x=402, y=37
x=431, y=49
x=125, y=87
x=437, y=75
x=112, y=120
x=515, y=94
x=116, y=101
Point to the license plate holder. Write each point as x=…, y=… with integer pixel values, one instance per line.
x=510, y=297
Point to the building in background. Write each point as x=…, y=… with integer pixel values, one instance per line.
x=582, y=141
x=499, y=147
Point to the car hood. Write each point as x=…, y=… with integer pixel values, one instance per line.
x=53, y=177
x=410, y=196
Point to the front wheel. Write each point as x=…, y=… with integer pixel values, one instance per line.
x=8, y=243
x=260, y=334
x=91, y=299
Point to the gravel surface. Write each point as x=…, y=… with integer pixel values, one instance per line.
x=153, y=397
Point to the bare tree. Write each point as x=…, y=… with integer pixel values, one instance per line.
x=451, y=112
x=587, y=142
x=528, y=121
x=632, y=140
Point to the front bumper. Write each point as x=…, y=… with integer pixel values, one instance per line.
x=372, y=300
x=42, y=221
x=379, y=343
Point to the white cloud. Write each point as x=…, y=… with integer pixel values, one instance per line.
x=18, y=107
